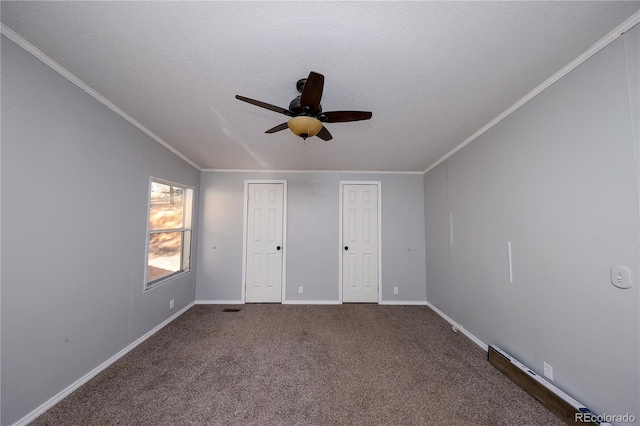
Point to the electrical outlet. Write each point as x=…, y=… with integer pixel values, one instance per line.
x=300, y=290
x=548, y=371
x=395, y=290
x=171, y=304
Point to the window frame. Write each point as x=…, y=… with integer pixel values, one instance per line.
x=187, y=215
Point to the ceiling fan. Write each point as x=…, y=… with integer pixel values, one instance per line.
x=306, y=113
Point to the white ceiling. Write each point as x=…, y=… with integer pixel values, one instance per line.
x=432, y=73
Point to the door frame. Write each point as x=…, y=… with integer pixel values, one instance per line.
x=245, y=224
x=342, y=183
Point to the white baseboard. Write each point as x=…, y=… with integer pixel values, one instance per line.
x=462, y=330
x=312, y=302
x=91, y=374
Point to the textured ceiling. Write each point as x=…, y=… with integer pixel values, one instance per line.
x=432, y=73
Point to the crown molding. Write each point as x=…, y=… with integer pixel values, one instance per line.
x=599, y=45
x=17, y=39
x=377, y=172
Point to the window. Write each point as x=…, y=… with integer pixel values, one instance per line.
x=169, y=236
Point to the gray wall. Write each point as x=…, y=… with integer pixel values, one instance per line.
x=75, y=179
x=312, y=235
x=557, y=178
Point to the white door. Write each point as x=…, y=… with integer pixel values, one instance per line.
x=264, y=243
x=360, y=243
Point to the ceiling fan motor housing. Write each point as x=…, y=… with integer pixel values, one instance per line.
x=300, y=84
x=295, y=108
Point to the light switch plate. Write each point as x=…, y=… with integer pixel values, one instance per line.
x=621, y=277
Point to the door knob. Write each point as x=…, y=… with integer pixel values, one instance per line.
x=346, y=247
x=278, y=248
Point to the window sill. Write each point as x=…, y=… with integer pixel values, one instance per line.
x=165, y=280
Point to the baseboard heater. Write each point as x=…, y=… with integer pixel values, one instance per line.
x=555, y=400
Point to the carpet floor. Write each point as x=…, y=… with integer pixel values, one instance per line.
x=302, y=365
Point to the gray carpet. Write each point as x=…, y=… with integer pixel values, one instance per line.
x=302, y=365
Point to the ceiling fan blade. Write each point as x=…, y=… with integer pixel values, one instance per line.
x=278, y=128
x=343, y=116
x=265, y=105
x=312, y=91
x=324, y=134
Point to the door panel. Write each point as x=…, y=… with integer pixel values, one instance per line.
x=264, y=243
x=360, y=243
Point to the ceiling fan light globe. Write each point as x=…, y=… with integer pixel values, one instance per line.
x=303, y=125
